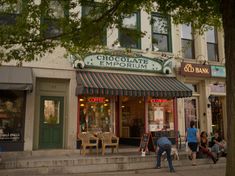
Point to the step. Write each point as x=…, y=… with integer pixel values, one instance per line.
x=63, y=162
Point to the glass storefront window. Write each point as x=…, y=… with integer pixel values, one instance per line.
x=95, y=114
x=160, y=113
x=11, y=115
x=190, y=111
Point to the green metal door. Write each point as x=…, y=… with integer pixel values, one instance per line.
x=51, y=122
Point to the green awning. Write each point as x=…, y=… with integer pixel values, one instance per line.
x=16, y=78
x=103, y=83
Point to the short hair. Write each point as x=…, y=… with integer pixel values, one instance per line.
x=192, y=123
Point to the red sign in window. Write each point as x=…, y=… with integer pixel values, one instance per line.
x=96, y=99
x=158, y=100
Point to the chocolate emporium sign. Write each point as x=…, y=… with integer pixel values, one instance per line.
x=138, y=63
x=197, y=70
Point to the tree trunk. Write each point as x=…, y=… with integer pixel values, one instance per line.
x=228, y=13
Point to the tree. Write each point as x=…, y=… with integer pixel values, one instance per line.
x=28, y=32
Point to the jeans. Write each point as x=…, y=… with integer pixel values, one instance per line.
x=167, y=149
x=215, y=148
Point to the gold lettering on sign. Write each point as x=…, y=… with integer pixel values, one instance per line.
x=202, y=70
x=188, y=68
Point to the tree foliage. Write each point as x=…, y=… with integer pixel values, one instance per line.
x=24, y=25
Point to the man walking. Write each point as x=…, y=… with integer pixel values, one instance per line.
x=164, y=145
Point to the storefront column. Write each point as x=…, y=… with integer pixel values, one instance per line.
x=146, y=120
x=205, y=113
x=29, y=121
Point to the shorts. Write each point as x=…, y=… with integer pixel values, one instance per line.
x=193, y=146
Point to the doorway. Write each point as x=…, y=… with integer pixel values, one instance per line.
x=51, y=122
x=132, y=117
x=217, y=115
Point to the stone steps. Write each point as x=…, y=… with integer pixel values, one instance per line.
x=63, y=162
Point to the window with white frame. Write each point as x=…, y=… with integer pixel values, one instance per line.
x=161, y=33
x=127, y=33
x=187, y=41
x=212, y=44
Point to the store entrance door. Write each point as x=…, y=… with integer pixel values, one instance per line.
x=132, y=117
x=51, y=122
x=217, y=115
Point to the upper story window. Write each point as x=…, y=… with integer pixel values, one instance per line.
x=187, y=41
x=212, y=44
x=88, y=11
x=9, y=12
x=127, y=32
x=56, y=10
x=161, y=33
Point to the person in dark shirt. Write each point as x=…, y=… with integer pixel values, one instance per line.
x=164, y=145
x=216, y=144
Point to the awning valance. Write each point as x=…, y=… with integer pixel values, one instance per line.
x=102, y=83
x=16, y=78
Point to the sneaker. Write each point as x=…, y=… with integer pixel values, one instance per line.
x=157, y=167
x=215, y=160
x=172, y=170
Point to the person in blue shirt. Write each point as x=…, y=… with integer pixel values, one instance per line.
x=164, y=145
x=193, y=138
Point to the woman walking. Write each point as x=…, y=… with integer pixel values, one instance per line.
x=192, y=137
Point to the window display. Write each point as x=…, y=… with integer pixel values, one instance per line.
x=95, y=114
x=11, y=115
x=160, y=113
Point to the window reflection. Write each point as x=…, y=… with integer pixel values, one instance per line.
x=95, y=114
x=51, y=112
x=11, y=115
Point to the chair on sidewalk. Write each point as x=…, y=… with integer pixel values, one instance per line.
x=88, y=140
x=109, y=140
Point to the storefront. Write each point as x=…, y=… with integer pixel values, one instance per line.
x=207, y=105
x=217, y=99
x=128, y=95
x=15, y=84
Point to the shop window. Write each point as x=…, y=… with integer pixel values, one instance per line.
x=95, y=114
x=212, y=44
x=160, y=115
x=161, y=33
x=132, y=118
x=130, y=25
x=190, y=111
x=187, y=41
x=12, y=105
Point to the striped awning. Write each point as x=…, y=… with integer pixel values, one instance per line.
x=100, y=83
